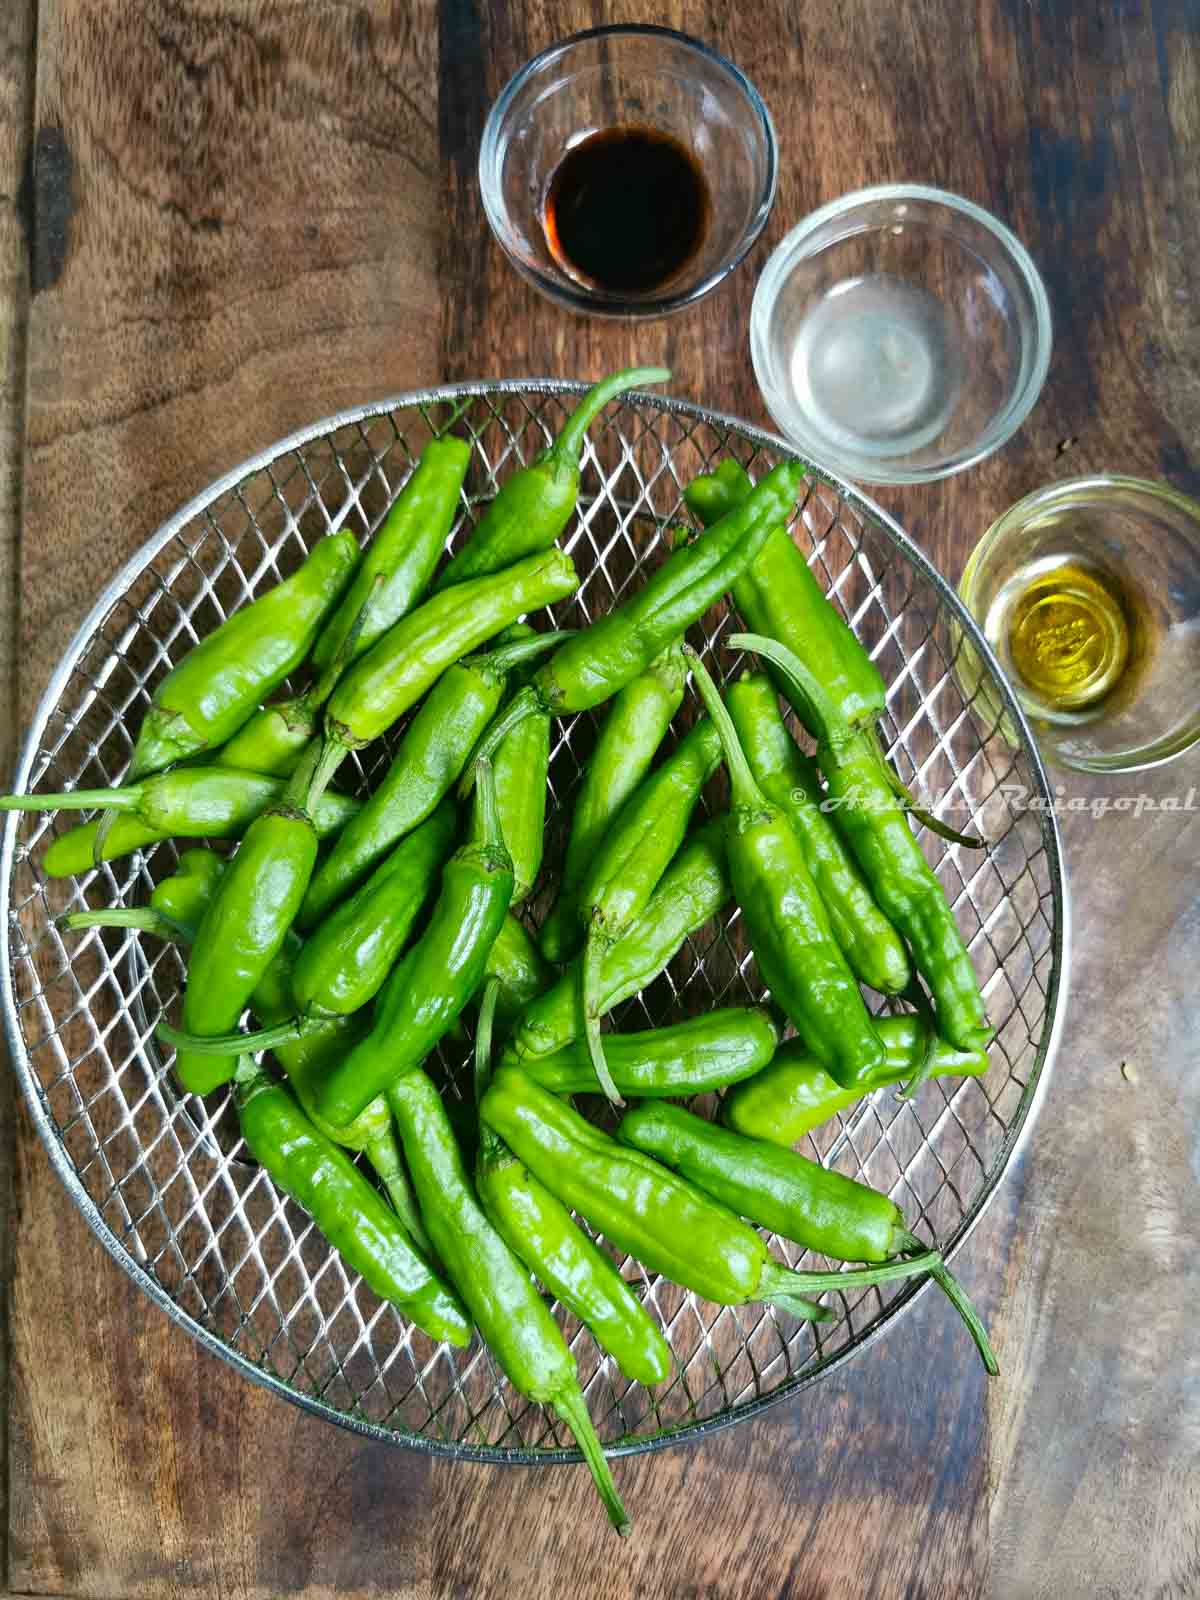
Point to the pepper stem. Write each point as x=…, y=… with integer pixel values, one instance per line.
x=233, y=1044
x=75, y=800
x=795, y=1305
x=506, y=656
x=902, y=792
x=570, y=440
x=957, y=1296
x=741, y=780
x=299, y=786
x=527, y=702
x=333, y=753
x=590, y=967
x=824, y=713
x=483, y=1037
x=776, y=1277
x=571, y=1408
x=144, y=918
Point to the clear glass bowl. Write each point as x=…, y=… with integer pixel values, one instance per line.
x=1142, y=541
x=628, y=76
x=900, y=334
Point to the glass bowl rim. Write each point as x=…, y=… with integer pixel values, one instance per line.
x=1019, y=404
x=617, y=306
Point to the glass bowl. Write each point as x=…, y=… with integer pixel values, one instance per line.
x=1136, y=543
x=642, y=77
x=900, y=334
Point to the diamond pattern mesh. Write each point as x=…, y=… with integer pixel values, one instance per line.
x=175, y=1193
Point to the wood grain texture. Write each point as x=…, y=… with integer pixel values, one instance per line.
x=1077, y=1470
x=16, y=120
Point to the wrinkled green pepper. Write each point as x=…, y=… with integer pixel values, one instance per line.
x=684, y=1058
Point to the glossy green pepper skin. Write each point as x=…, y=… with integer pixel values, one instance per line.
x=636, y=852
x=242, y=932
x=779, y=595
x=188, y=803
x=870, y=816
x=522, y=765
x=510, y=1313
x=346, y=959
x=795, y=1094
x=639, y=1206
x=785, y=920
x=412, y=655
x=598, y=662
x=428, y=990
x=624, y=750
x=532, y=507
x=345, y=1207
x=873, y=949
x=431, y=755
x=405, y=550
x=692, y=890
x=222, y=681
x=783, y=1192
x=693, y=1057
x=796, y=1199
x=539, y=1229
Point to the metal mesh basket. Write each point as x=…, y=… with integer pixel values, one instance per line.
x=164, y=1180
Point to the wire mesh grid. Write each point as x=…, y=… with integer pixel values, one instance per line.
x=164, y=1179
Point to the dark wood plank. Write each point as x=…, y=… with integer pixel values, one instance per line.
x=16, y=120
x=234, y=225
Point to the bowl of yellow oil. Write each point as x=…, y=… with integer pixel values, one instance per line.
x=1088, y=592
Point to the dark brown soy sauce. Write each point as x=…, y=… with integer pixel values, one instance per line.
x=626, y=209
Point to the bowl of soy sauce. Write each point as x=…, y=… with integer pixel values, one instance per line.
x=626, y=171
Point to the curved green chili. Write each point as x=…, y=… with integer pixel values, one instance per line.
x=401, y=557
x=366, y=1233
x=786, y=923
x=539, y=1230
x=632, y=858
x=873, y=949
x=788, y=1195
x=871, y=818
x=516, y=964
x=531, y=508
x=684, y=1058
x=795, y=1094
x=625, y=748
x=510, y=1313
x=646, y=1210
x=221, y=682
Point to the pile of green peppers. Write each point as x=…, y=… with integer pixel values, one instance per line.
x=358, y=933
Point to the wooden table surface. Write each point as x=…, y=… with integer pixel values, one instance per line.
x=220, y=219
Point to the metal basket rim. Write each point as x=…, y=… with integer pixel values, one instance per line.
x=1019, y=1127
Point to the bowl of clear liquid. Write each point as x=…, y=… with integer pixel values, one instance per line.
x=900, y=334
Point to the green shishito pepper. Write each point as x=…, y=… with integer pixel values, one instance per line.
x=403, y=553
x=618, y=647
x=521, y=767
x=789, y=1195
x=176, y=909
x=410, y=657
x=871, y=817
x=244, y=928
x=632, y=732
x=503, y=1299
x=646, y=1210
x=686, y=1058
x=692, y=890
x=345, y=1207
x=188, y=803
x=786, y=923
x=531, y=508
x=874, y=950
x=516, y=964
x=634, y=855
x=432, y=984
x=795, y=1094
x=778, y=595
x=222, y=681
x=539, y=1230
x=430, y=757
